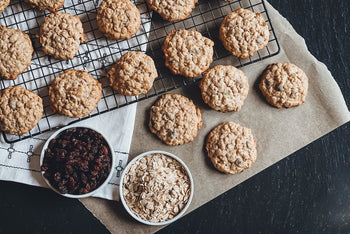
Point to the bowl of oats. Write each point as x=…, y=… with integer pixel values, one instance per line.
x=156, y=188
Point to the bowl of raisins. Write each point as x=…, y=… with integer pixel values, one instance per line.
x=77, y=162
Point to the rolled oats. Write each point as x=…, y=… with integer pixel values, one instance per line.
x=156, y=188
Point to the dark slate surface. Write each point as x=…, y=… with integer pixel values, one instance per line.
x=307, y=192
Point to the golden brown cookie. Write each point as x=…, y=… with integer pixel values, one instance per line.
x=3, y=5
x=175, y=119
x=61, y=34
x=172, y=10
x=118, y=19
x=224, y=88
x=15, y=52
x=284, y=85
x=187, y=52
x=231, y=148
x=75, y=93
x=20, y=110
x=51, y=5
x=133, y=74
x=244, y=32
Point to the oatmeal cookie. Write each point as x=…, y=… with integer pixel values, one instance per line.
x=133, y=74
x=284, y=85
x=172, y=10
x=61, y=34
x=15, y=52
x=175, y=119
x=75, y=93
x=51, y=5
x=118, y=19
x=244, y=32
x=187, y=52
x=20, y=110
x=3, y=5
x=231, y=148
x=224, y=88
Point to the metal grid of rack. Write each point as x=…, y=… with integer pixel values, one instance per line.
x=98, y=54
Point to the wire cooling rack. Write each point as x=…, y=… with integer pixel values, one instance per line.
x=98, y=54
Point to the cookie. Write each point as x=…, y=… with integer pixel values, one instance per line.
x=284, y=85
x=75, y=93
x=172, y=10
x=231, y=148
x=118, y=19
x=224, y=88
x=20, y=110
x=51, y=5
x=133, y=74
x=16, y=51
x=175, y=119
x=187, y=52
x=3, y=5
x=61, y=35
x=244, y=32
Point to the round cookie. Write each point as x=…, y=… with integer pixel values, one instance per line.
x=118, y=19
x=51, y=5
x=224, y=88
x=244, y=32
x=75, y=93
x=61, y=34
x=133, y=74
x=20, y=110
x=15, y=52
x=187, y=52
x=172, y=10
x=284, y=85
x=231, y=148
x=175, y=119
x=3, y=5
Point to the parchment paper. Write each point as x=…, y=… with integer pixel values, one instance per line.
x=278, y=132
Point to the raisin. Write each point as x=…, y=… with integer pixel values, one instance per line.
x=62, y=189
x=104, y=150
x=94, y=173
x=52, y=144
x=69, y=169
x=71, y=182
x=77, y=161
x=84, y=179
x=57, y=176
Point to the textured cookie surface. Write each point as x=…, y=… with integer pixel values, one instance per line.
x=75, y=93
x=172, y=10
x=187, y=52
x=51, y=5
x=133, y=74
x=61, y=35
x=244, y=32
x=284, y=85
x=118, y=19
x=175, y=119
x=224, y=88
x=3, y=5
x=20, y=110
x=231, y=148
x=15, y=52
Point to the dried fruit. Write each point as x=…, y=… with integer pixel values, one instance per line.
x=77, y=161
